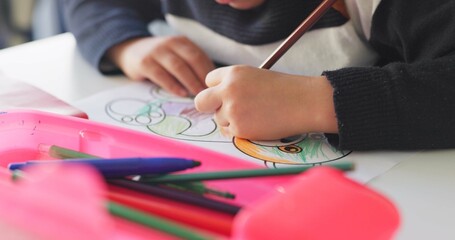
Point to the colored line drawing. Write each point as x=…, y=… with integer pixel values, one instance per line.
x=175, y=117
x=305, y=149
x=166, y=115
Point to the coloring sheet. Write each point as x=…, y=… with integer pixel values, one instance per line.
x=143, y=106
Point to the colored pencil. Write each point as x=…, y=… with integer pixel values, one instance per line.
x=216, y=175
x=144, y=218
x=298, y=33
x=177, y=195
x=121, y=167
x=199, y=217
x=63, y=153
x=200, y=188
x=66, y=153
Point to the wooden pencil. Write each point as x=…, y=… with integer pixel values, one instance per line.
x=298, y=33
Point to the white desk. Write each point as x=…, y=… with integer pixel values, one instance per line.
x=423, y=187
x=55, y=65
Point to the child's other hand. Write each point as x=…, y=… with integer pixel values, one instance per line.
x=174, y=63
x=260, y=104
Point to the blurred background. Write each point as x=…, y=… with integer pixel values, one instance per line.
x=26, y=20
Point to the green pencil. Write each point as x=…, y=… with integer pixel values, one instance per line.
x=170, y=178
x=63, y=153
x=154, y=222
x=199, y=188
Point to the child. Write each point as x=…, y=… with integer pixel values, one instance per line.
x=385, y=79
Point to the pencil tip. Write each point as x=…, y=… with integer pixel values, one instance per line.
x=230, y=196
x=196, y=163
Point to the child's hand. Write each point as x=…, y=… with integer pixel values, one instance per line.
x=174, y=63
x=263, y=105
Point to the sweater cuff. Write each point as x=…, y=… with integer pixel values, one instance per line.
x=107, y=37
x=367, y=115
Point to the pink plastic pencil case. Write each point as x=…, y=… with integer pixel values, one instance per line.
x=313, y=205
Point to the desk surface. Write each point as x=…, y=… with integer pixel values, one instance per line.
x=421, y=187
x=55, y=65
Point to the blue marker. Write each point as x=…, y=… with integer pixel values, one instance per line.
x=121, y=167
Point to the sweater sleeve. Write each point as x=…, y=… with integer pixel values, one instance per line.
x=100, y=24
x=407, y=101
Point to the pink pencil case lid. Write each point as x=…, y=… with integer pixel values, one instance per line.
x=23, y=131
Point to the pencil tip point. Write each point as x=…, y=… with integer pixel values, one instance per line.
x=196, y=163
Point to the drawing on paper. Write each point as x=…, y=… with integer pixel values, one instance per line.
x=306, y=149
x=175, y=117
x=167, y=115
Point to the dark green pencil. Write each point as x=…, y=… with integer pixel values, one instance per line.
x=168, y=178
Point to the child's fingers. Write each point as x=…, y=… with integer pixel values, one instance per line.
x=225, y=132
x=200, y=63
x=208, y=100
x=181, y=71
x=159, y=75
x=220, y=119
x=215, y=77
